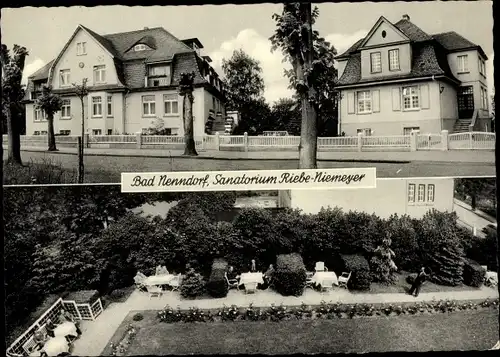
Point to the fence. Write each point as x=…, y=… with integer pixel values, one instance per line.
x=413, y=142
x=21, y=345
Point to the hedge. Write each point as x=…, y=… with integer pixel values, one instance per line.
x=192, y=285
x=217, y=284
x=289, y=278
x=473, y=273
x=360, y=272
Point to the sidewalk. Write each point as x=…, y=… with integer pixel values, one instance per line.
x=463, y=156
x=96, y=334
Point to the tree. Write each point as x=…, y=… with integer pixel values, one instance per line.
x=12, y=94
x=285, y=114
x=294, y=36
x=255, y=115
x=186, y=90
x=476, y=189
x=382, y=265
x=81, y=91
x=49, y=103
x=244, y=82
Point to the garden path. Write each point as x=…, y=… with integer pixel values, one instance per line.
x=96, y=334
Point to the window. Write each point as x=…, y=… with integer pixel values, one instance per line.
x=100, y=74
x=140, y=47
x=96, y=132
x=66, y=109
x=484, y=98
x=364, y=102
x=394, y=60
x=110, y=131
x=110, y=106
x=96, y=106
x=410, y=97
x=43, y=132
x=64, y=132
x=81, y=48
x=376, y=62
x=430, y=193
x=158, y=71
x=411, y=192
x=463, y=65
x=64, y=77
x=214, y=104
x=171, y=102
x=148, y=105
x=408, y=130
x=365, y=131
x=39, y=115
x=421, y=193
x=483, y=65
x=36, y=132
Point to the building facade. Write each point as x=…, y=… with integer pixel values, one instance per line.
x=399, y=78
x=132, y=79
x=413, y=197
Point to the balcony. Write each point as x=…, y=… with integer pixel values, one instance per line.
x=157, y=81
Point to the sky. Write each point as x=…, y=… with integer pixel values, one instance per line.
x=225, y=28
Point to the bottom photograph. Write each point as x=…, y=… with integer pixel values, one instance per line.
x=407, y=266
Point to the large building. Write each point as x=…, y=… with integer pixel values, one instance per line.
x=399, y=78
x=132, y=79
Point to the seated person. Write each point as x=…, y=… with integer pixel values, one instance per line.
x=66, y=316
x=231, y=273
x=50, y=328
x=267, y=278
x=39, y=339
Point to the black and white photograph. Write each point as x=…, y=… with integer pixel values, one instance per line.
x=406, y=88
x=240, y=272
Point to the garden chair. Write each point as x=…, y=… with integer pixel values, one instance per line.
x=344, y=279
x=250, y=287
x=320, y=266
x=154, y=291
x=29, y=346
x=232, y=283
x=175, y=283
x=139, y=281
x=309, y=281
x=327, y=286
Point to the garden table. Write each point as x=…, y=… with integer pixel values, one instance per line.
x=158, y=279
x=252, y=278
x=55, y=346
x=66, y=329
x=322, y=277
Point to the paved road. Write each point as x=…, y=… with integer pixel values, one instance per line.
x=107, y=169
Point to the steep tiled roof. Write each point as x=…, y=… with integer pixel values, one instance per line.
x=425, y=62
x=42, y=73
x=351, y=49
x=452, y=41
x=412, y=31
x=104, y=42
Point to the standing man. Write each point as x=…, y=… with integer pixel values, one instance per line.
x=417, y=284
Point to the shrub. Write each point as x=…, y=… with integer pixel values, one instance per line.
x=217, y=285
x=192, y=285
x=382, y=266
x=360, y=272
x=473, y=273
x=404, y=242
x=484, y=250
x=290, y=275
x=138, y=317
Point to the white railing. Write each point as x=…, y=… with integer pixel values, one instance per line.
x=443, y=141
x=475, y=140
x=429, y=142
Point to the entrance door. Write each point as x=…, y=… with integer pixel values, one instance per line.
x=465, y=98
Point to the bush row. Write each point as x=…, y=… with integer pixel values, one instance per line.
x=324, y=310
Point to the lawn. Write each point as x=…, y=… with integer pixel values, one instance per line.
x=468, y=330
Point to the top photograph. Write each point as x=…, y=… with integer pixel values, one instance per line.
x=90, y=93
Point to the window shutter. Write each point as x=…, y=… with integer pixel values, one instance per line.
x=376, y=101
x=396, y=99
x=350, y=103
x=424, y=96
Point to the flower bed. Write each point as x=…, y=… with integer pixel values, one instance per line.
x=120, y=348
x=324, y=311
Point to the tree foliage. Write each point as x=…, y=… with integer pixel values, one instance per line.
x=50, y=103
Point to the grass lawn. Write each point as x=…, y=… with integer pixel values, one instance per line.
x=401, y=286
x=469, y=330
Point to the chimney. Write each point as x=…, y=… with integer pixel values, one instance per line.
x=406, y=17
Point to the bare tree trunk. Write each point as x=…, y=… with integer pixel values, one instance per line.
x=189, y=146
x=51, y=137
x=308, y=130
x=14, y=144
x=81, y=141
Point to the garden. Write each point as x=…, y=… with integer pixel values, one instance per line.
x=83, y=238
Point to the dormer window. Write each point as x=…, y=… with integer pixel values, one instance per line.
x=376, y=62
x=141, y=47
x=158, y=75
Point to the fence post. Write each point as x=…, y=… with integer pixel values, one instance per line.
x=413, y=140
x=138, y=140
x=444, y=140
x=245, y=141
x=360, y=142
x=471, y=142
x=87, y=140
x=217, y=141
